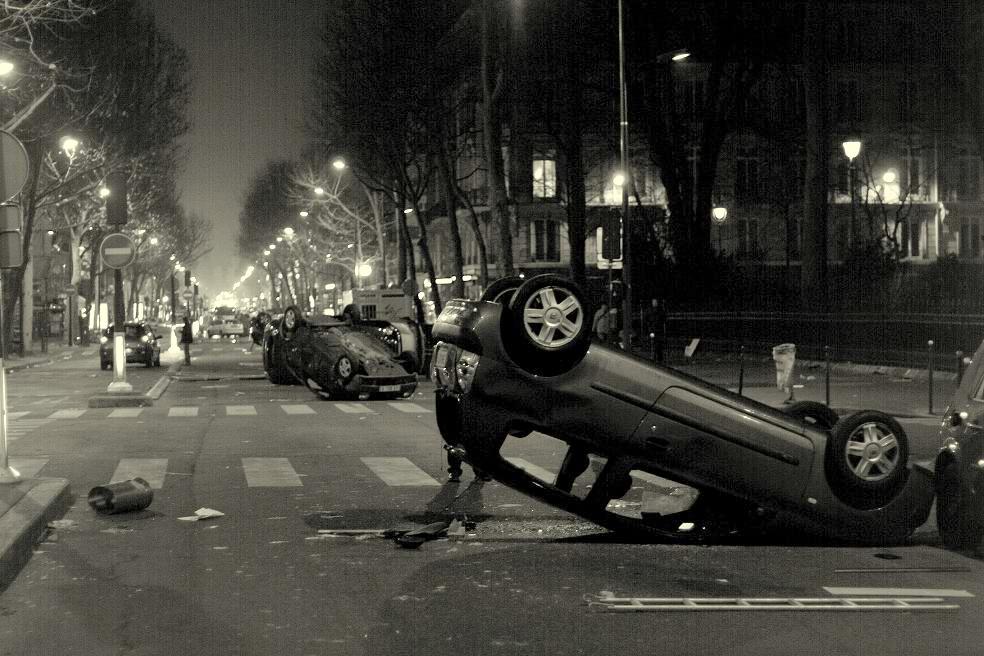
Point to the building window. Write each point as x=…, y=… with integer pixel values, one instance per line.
x=544, y=175
x=970, y=239
x=748, y=186
x=544, y=241
x=968, y=178
x=748, y=243
x=912, y=174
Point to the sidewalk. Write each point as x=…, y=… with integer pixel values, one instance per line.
x=30, y=504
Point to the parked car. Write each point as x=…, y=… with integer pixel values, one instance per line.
x=142, y=345
x=335, y=357
x=521, y=360
x=225, y=328
x=959, y=466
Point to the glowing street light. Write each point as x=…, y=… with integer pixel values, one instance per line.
x=303, y=213
x=6, y=67
x=104, y=192
x=319, y=191
x=70, y=145
x=338, y=165
x=289, y=231
x=363, y=270
x=852, y=149
x=619, y=179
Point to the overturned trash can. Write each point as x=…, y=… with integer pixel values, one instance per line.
x=134, y=494
x=785, y=358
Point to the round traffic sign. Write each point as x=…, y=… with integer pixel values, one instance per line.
x=117, y=251
x=13, y=166
x=188, y=294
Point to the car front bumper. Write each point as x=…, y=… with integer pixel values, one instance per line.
x=372, y=385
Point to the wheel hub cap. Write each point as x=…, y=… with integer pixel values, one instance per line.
x=553, y=317
x=872, y=452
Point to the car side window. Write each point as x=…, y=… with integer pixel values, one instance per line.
x=979, y=387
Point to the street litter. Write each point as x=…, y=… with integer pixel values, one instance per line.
x=202, y=513
x=62, y=523
x=134, y=494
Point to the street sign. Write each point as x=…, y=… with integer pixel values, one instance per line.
x=602, y=261
x=188, y=295
x=117, y=251
x=13, y=166
x=11, y=250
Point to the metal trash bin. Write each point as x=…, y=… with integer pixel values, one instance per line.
x=134, y=494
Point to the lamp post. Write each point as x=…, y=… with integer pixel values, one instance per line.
x=719, y=215
x=852, y=149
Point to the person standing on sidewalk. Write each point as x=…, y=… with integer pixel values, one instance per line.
x=187, y=338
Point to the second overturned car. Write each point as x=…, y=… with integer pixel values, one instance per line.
x=336, y=357
x=520, y=360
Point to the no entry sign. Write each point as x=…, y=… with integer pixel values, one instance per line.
x=117, y=251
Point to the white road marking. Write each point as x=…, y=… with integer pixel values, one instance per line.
x=183, y=411
x=67, y=413
x=270, y=472
x=18, y=428
x=405, y=406
x=151, y=470
x=28, y=467
x=126, y=412
x=18, y=415
x=533, y=470
x=354, y=408
x=240, y=410
x=398, y=471
x=298, y=409
x=898, y=592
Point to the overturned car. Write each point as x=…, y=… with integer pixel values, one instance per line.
x=337, y=357
x=521, y=360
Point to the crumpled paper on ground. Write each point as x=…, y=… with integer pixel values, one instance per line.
x=202, y=513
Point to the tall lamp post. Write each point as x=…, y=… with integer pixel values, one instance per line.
x=851, y=150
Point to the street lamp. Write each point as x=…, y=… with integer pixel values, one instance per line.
x=719, y=215
x=70, y=145
x=338, y=164
x=852, y=149
x=6, y=67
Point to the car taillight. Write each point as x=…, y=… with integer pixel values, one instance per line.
x=464, y=371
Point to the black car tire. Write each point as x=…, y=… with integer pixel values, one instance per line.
x=859, y=438
x=344, y=369
x=275, y=363
x=959, y=509
x=291, y=320
x=157, y=360
x=547, y=355
x=813, y=413
x=502, y=290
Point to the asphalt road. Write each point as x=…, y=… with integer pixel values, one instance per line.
x=527, y=579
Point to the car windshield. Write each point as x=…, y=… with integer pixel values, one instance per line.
x=129, y=331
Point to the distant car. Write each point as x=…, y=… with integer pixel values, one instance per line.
x=336, y=358
x=959, y=466
x=226, y=328
x=521, y=360
x=142, y=345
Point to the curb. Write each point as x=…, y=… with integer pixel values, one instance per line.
x=25, y=521
x=159, y=387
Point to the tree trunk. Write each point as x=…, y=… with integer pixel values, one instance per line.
x=492, y=90
x=483, y=258
x=27, y=309
x=451, y=209
x=814, y=274
x=428, y=261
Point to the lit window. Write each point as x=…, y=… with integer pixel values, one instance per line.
x=544, y=175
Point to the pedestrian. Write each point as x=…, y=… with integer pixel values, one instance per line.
x=352, y=314
x=600, y=324
x=187, y=337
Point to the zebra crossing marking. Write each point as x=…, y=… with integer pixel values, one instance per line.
x=300, y=409
x=151, y=470
x=126, y=412
x=533, y=470
x=398, y=472
x=18, y=428
x=270, y=472
x=354, y=408
x=28, y=467
x=183, y=411
x=408, y=407
x=67, y=413
x=240, y=410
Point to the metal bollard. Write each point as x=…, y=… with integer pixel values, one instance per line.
x=960, y=366
x=826, y=366
x=741, y=369
x=930, y=370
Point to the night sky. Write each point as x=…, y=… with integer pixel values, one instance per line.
x=251, y=64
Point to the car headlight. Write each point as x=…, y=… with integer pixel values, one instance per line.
x=464, y=371
x=103, y=340
x=440, y=369
x=145, y=339
x=370, y=366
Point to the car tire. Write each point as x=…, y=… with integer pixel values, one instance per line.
x=548, y=301
x=291, y=320
x=866, y=459
x=344, y=369
x=959, y=509
x=814, y=414
x=502, y=290
x=274, y=361
x=157, y=360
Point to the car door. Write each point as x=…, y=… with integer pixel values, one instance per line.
x=964, y=416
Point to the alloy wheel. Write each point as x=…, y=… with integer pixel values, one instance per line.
x=553, y=317
x=872, y=452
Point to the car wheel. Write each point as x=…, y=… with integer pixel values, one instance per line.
x=959, y=510
x=344, y=369
x=274, y=362
x=157, y=360
x=866, y=459
x=501, y=290
x=548, y=328
x=291, y=320
x=813, y=413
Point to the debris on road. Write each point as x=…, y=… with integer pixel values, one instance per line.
x=122, y=496
x=202, y=513
x=62, y=523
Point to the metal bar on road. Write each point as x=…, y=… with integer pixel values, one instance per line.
x=649, y=604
